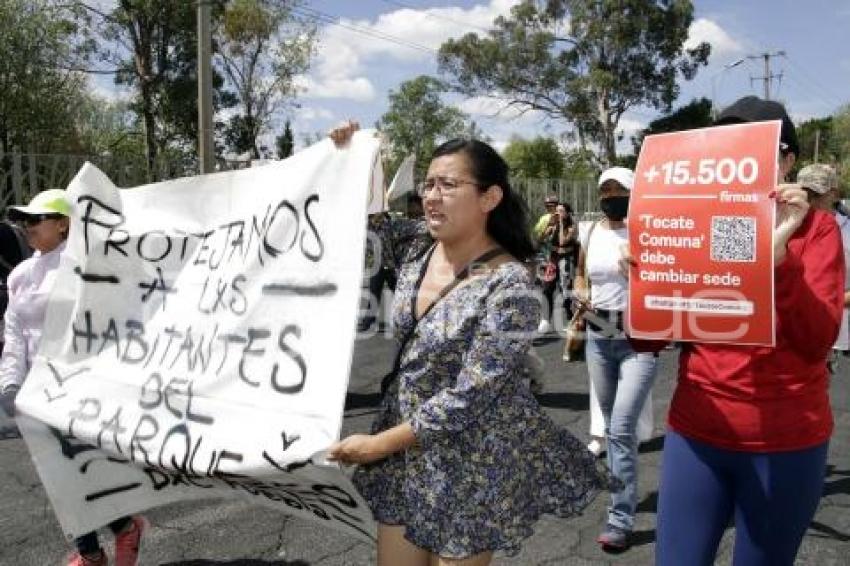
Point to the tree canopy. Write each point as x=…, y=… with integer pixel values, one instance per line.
x=538, y=158
x=586, y=62
x=416, y=121
x=40, y=86
x=263, y=46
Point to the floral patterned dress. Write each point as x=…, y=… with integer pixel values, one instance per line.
x=487, y=462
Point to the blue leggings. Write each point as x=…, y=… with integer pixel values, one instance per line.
x=771, y=496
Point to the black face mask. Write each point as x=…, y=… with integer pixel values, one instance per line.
x=614, y=208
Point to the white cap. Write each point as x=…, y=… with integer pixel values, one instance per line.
x=620, y=174
x=52, y=201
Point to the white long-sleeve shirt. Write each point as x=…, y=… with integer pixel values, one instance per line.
x=29, y=287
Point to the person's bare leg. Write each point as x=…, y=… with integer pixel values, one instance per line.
x=480, y=559
x=394, y=549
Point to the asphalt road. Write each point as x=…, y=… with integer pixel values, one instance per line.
x=232, y=533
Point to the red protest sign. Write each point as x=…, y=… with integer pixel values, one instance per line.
x=701, y=231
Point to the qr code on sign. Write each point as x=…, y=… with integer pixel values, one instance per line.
x=733, y=238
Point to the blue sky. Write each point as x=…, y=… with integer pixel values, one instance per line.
x=356, y=68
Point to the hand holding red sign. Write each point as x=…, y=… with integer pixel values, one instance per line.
x=701, y=224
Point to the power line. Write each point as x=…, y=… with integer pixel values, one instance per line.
x=334, y=20
x=809, y=88
x=817, y=85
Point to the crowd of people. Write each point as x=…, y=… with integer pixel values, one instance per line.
x=462, y=460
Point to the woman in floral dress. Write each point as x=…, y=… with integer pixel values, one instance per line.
x=462, y=460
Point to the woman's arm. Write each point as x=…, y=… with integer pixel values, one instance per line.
x=810, y=290
x=366, y=448
x=494, y=358
x=13, y=366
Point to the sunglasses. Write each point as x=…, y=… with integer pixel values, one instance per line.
x=34, y=219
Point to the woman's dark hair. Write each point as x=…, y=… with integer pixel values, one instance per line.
x=508, y=222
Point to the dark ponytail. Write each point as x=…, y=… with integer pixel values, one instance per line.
x=507, y=224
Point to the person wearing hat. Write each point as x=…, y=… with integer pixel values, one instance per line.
x=46, y=222
x=552, y=234
x=821, y=185
x=749, y=426
x=621, y=377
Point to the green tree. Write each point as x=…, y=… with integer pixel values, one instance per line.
x=263, y=46
x=416, y=121
x=285, y=142
x=538, y=158
x=839, y=146
x=41, y=48
x=817, y=131
x=695, y=114
x=152, y=47
x=583, y=61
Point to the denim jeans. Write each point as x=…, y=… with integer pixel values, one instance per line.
x=623, y=379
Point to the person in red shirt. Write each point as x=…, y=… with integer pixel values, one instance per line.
x=749, y=426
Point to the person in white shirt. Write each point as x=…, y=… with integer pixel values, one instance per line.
x=621, y=377
x=821, y=184
x=29, y=284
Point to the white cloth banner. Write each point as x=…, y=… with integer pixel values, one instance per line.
x=198, y=343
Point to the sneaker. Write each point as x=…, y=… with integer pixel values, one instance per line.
x=613, y=538
x=595, y=447
x=78, y=559
x=128, y=542
x=544, y=327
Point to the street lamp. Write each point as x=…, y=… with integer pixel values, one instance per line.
x=717, y=75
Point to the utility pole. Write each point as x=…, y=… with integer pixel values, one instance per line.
x=767, y=75
x=817, y=144
x=205, y=106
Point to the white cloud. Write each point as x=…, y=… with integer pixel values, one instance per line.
x=404, y=35
x=500, y=144
x=353, y=88
x=105, y=88
x=705, y=30
x=630, y=125
x=308, y=113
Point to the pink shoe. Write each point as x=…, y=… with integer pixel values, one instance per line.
x=78, y=559
x=128, y=542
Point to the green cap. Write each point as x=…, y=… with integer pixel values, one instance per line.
x=52, y=201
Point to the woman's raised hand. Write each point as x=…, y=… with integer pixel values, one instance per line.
x=342, y=133
x=792, y=205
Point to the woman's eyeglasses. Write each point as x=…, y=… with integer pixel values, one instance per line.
x=34, y=219
x=446, y=186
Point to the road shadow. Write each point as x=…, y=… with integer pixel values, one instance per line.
x=841, y=484
x=237, y=562
x=642, y=538
x=572, y=401
x=362, y=401
x=825, y=531
x=648, y=504
x=547, y=339
x=655, y=444
x=9, y=432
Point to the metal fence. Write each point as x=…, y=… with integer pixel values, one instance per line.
x=23, y=175
x=580, y=194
